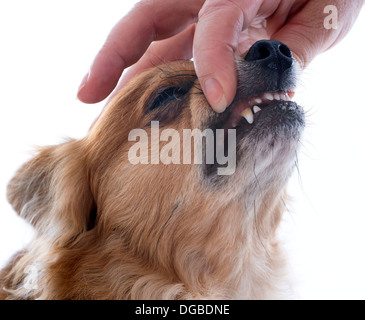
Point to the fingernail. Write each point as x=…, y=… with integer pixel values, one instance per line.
x=83, y=83
x=215, y=95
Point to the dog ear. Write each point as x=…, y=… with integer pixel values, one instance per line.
x=52, y=191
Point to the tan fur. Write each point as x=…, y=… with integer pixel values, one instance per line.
x=160, y=232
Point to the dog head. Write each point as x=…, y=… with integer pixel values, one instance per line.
x=165, y=177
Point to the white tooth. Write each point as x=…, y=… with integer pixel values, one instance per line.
x=248, y=115
x=277, y=96
x=256, y=109
x=258, y=100
x=283, y=97
x=269, y=96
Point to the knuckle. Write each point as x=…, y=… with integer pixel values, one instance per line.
x=216, y=6
x=222, y=12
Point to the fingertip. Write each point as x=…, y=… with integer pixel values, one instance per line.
x=214, y=93
x=90, y=96
x=82, y=85
x=101, y=79
x=87, y=96
x=220, y=87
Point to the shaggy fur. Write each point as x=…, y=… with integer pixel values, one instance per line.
x=108, y=229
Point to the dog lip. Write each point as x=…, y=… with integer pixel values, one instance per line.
x=248, y=108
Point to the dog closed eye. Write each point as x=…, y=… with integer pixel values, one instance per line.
x=167, y=103
x=166, y=96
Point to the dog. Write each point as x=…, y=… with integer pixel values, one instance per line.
x=107, y=227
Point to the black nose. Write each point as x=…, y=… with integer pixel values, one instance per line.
x=271, y=54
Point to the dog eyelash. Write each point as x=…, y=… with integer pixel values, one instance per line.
x=166, y=96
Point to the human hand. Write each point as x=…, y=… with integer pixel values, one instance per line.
x=159, y=31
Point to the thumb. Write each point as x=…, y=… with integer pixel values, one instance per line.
x=306, y=34
x=215, y=42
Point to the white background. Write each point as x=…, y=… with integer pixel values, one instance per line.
x=46, y=48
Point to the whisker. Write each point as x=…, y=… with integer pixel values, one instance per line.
x=163, y=228
x=256, y=227
x=301, y=182
x=259, y=186
x=284, y=203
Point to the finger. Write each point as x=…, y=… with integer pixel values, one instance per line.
x=215, y=43
x=306, y=34
x=130, y=38
x=179, y=47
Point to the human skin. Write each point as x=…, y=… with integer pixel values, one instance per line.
x=213, y=32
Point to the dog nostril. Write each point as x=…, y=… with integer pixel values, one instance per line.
x=263, y=53
x=270, y=54
x=284, y=49
x=259, y=51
